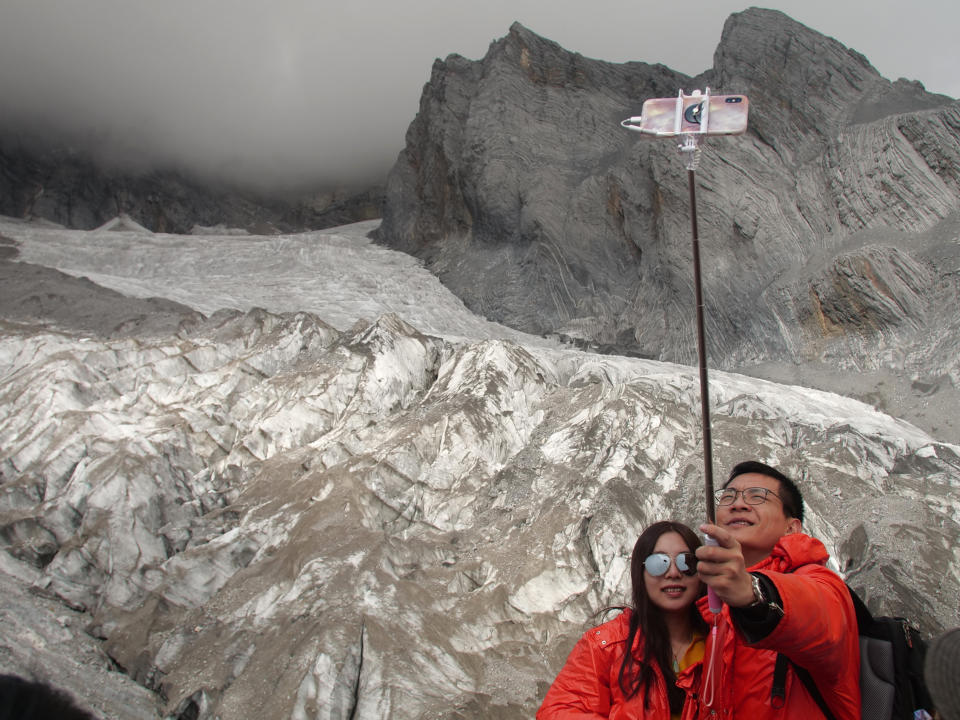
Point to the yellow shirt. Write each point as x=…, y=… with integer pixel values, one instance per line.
x=693, y=655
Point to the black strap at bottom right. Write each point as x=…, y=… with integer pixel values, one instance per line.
x=779, y=690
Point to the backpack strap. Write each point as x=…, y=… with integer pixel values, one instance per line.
x=778, y=693
x=864, y=616
x=779, y=690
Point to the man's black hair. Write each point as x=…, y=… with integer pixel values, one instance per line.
x=789, y=492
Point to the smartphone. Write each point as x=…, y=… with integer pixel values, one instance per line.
x=702, y=114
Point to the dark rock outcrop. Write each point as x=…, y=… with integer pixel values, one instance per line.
x=828, y=232
x=46, y=179
x=36, y=294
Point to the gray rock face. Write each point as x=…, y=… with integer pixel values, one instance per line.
x=254, y=514
x=829, y=233
x=45, y=178
x=44, y=640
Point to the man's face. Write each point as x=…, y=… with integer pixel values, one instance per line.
x=756, y=527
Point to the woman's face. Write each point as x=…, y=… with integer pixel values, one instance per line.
x=673, y=591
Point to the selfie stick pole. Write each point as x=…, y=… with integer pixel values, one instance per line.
x=690, y=120
x=691, y=150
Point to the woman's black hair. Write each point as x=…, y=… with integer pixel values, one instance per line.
x=638, y=673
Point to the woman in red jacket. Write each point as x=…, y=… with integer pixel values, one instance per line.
x=659, y=677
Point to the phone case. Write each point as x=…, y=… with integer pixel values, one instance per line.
x=724, y=115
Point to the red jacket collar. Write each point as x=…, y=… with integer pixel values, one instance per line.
x=793, y=551
x=616, y=631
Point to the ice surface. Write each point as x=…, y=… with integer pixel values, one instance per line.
x=412, y=511
x=340, y=275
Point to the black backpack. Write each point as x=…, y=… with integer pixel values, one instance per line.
x=891, y=669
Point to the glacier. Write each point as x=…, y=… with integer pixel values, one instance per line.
x=328, y=490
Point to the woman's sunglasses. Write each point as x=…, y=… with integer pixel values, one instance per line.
x=658, y=563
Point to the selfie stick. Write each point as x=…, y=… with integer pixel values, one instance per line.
x=691, y=151
x=690, y=123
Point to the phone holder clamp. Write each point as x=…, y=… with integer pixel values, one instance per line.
x=690, y=150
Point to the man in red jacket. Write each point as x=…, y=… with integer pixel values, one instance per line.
x=779, y=600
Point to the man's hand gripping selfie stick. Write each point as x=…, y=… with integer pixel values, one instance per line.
x=689, y=117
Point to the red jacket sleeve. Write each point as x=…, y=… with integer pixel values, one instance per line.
x=582, y=688
x=818, y=630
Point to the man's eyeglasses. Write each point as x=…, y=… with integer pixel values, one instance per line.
x=751, y=496
x=658, y=563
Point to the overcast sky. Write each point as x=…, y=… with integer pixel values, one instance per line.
x=302, y=88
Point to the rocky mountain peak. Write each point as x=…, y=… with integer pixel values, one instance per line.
x=543, y=61
x=522, y=193
x=767, y=47
x=802, y=83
